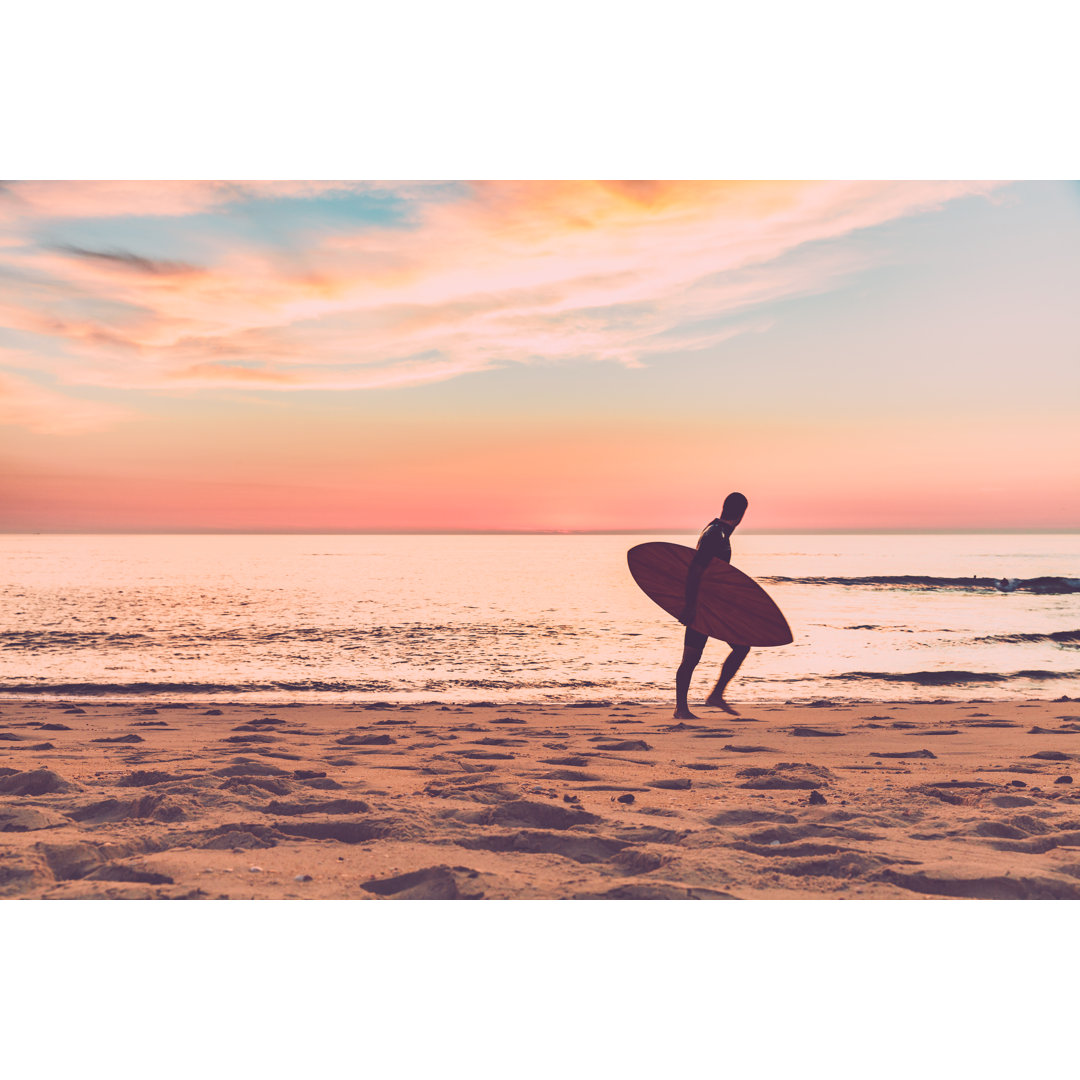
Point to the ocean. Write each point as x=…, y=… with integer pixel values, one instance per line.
x=525, y=618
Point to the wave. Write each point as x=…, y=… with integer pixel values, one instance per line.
x=337, y=637
x=1043, y=586
x=951, y=678
x=101, y=689
x=93, y=689
x=1059, y=637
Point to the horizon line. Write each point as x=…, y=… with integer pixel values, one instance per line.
x=665, y=530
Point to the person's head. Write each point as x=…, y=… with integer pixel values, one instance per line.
x=734, y=508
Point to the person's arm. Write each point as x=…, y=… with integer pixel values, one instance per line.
x=693, y=583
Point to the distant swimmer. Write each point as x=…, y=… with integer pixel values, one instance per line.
x=714, y=542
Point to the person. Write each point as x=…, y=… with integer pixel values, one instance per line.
x=714, y=542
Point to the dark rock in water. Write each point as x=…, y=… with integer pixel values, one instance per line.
x=10, y=736
x=627, y=798
x=308, y=774
x=38, y=782
x=132, y=738
x=431, y=883
x=41, y=746
x=75, y=711
x=303, y=877
x=816, y=798
x=509, y=720
x=54, y=727
x=1066, y=779
x=682, y=784
x=571, y=799
x=212, y=712
x=366, y=740
x=250, y=739
x=629, y=744
x=816, y=733
x=1017, y=783
x=1050, y=755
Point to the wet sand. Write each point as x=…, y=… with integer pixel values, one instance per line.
x=374, y=801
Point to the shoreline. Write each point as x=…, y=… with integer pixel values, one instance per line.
x=144, y=798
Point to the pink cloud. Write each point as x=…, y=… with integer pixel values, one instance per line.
x=517, y=273
x=48, y=199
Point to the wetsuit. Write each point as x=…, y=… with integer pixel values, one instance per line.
x=714, y=541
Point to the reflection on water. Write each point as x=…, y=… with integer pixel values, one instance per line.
x=526, y=618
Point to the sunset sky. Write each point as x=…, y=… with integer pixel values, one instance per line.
x=573, y=355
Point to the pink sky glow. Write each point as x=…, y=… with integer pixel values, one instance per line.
x=531, y=355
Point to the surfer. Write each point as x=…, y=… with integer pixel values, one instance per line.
x=714, y=542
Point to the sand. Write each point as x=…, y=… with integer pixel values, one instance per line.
x=378, y=801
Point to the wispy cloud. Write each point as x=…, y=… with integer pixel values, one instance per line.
x=500, y=273
x=24, y=403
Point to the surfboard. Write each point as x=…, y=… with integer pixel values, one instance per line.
x=731, y=606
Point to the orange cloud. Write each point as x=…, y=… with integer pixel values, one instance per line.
x=616, y=271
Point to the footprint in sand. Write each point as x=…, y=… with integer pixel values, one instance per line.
x=902, y=754
x=432, y=883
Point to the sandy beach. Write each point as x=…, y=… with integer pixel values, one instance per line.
x=372, y=801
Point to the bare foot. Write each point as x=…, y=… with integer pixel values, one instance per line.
x=684, y=714
x=720, y=703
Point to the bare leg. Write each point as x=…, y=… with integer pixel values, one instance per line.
x=693, y=645
x=732, y=664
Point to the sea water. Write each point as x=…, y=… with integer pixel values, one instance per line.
x=525, y=618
